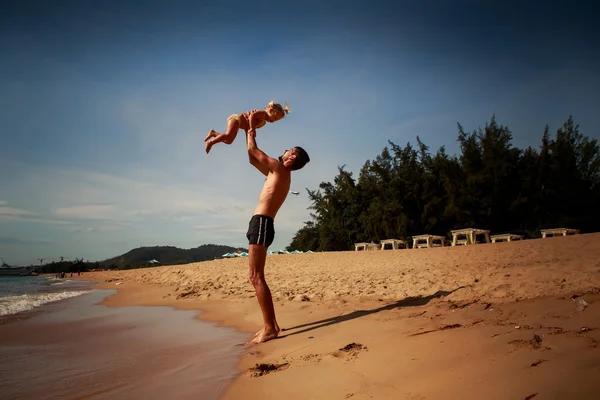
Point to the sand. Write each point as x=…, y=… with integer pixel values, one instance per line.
x=492, y=321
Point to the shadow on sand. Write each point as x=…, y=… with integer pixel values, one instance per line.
x=407, y=302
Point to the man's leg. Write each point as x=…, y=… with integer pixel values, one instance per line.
x=257, y=256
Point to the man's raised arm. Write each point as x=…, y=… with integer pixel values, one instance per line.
x=260, y=160
x=251, y=144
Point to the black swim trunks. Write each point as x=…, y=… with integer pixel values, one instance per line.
x=261, y=230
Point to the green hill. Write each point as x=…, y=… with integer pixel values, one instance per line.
x=169, y=255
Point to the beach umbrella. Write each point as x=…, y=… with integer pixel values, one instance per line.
x=226, y=255
x=244, y=254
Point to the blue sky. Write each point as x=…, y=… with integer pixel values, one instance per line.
x=104, y=105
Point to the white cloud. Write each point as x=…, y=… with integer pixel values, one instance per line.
x=32, y=219
x=90, y=211
x=95, y=229
x=238, y=228
x=18, y=241
x=11, y=211
x=69, y=196
x=21, y=215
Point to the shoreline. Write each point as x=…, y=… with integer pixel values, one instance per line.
x=34, y=297
x=328, y=302
x=110, y=352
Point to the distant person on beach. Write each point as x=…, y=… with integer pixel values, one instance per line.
x=261, y=230
x=249, y=121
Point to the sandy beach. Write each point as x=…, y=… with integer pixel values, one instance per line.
x=508, y=320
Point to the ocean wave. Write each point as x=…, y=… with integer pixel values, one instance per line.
x=61, y=282
x=25, y=302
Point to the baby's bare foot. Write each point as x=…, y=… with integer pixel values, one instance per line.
x=211, y=133
x=208, y=146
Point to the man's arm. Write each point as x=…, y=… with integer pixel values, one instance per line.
x=266, y=163
x=254, y=161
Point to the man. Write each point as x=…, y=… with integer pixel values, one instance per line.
x=261, y=230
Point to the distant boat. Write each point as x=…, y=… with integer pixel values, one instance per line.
x=7, y=270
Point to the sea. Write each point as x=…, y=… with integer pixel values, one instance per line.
x=21, y=294
x=58, y=341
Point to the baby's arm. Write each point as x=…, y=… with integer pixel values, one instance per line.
x=255, y=118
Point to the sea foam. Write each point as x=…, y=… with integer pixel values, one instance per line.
x=25, y=302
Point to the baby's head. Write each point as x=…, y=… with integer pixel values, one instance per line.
x=276, y=112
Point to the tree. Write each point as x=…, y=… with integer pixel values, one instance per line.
x=407, y=191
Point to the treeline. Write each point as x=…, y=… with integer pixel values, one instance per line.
x=491, y=185
x=67, y=267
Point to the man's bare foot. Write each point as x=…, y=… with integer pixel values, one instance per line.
x=257, y=334
x=262, y=336
x=208, y=146
x=211, y=133
x=265, y=336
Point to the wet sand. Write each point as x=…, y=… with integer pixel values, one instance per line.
x=74, y=349
x=491, y=321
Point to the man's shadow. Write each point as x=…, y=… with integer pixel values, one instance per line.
x=407, y=302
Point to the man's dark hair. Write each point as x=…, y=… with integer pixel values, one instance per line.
x=301, y=158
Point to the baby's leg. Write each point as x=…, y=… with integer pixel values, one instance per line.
x=211, y=133
x=228, y=137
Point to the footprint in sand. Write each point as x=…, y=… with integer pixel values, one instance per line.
x=312, y=358
x=536, y=363
x=349, y=352
x=533, y=344
x=265, y=369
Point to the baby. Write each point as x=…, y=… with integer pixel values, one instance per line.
x=249, y=121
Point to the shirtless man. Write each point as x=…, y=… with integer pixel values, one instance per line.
x=260, y=229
